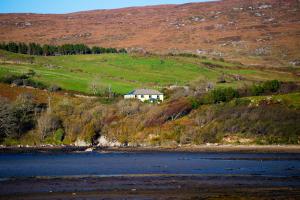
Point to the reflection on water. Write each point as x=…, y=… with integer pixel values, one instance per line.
x=87, y=164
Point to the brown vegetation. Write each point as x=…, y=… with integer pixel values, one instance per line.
x=223, y=118
x=235, y=29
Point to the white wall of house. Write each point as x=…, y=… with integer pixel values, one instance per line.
x=145, y=97
x=129, y=96
x=161, y=97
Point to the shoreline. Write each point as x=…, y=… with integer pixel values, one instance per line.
x=187, y=149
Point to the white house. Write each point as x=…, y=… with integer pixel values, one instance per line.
x=145, y=95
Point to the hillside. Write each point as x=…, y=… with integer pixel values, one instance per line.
x=226, y=102
x=253, y=32
x=125, y=72
x=272, y=119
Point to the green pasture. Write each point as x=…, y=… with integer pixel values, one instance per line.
x=124, y=72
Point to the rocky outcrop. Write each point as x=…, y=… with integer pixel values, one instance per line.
x=104, y=142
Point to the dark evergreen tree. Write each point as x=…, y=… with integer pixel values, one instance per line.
x=12, y=47
x=122, y=50
x=22, y=48
x=96, y=50
x=35, y=49
x=51, y=50
x=3, y=46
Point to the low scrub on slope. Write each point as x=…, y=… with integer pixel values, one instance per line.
x=68, y=120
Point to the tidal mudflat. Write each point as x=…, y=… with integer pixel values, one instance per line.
x=149, y=175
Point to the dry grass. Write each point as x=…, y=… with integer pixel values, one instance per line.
x=228, y=28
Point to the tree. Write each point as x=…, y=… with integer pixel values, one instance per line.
x=46, y=50
x=50, y=50
x=68, y=49
x=8, y=120
x=48, y=123
x=35, y=49
x=13, y=47
x=122, y=50
x=3, y=46
x=22, y=48
x=111, y=50
x=96, y=50
x=97, y=88
x=24, y=110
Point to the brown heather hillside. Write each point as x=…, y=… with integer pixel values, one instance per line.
x=253, y=32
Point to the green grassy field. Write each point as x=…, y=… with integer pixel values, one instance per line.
x=291, y=99
x=124, y=72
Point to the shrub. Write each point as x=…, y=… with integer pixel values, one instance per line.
x=90, y=135
x=31, y=138
x=257, y=90
x=195, y=102
x=231, y=93
x=128, y=107
x=35, y=84
x=59, y=135
x=21, y=80
x=9, y=79
x=189, y=55
x=223, y=95
x=178, y=93
x=173, y=135
x=222, y=59
x=189, y=136
x=18, y=82
x=208, y=137
x=171, y=111
x=54, y=88
x=271, y=86
x=10, y=141
x=268, y=86
x=270, y=124
x=242, y=101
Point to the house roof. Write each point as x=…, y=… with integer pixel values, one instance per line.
x=145, y=92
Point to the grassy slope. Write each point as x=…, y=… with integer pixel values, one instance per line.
x=126, y=72
x=291, y=99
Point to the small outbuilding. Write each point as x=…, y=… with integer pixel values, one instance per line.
x=145, y=95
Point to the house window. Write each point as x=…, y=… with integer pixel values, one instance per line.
x=142, y=96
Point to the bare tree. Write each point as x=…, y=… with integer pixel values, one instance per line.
x=47, y=124
x=8, y=121
x=96, y=87
x=24, y=110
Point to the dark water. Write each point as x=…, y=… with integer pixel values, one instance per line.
x=105, y=164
